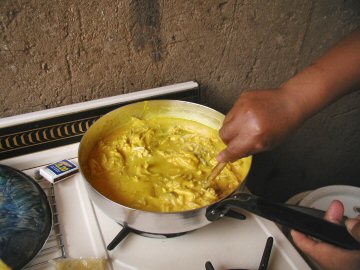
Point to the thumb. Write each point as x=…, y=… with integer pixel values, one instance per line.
x=225, y=156
x=353, y=226
x=233, y=152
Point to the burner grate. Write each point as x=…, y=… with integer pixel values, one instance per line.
x=264, y=259
x=54, y=247
x=126, y=230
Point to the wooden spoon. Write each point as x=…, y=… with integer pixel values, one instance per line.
x=216, y=171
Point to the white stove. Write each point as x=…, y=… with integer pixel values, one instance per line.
x=86, y=231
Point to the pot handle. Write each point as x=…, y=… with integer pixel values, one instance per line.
x=303, y=219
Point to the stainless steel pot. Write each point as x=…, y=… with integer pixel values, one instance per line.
x=303, y=219
x=145, y=221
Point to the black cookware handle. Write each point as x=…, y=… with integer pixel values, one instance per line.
x=299, y=219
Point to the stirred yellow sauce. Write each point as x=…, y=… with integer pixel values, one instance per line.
x=162, y=165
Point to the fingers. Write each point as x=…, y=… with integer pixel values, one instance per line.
x=244, y=136
x=242, y=146
x=326, y=255
x=303, y=242
x=232, y=153
x=335, y=212
x=236, y=140
x=353, y=226
x=308, y=245
x=229, y=130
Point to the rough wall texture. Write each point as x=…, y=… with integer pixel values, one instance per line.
x=63, y=52
x=70, y=51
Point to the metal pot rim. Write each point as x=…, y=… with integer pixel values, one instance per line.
x=213, y=119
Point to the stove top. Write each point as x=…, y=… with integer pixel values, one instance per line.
x=228, y=243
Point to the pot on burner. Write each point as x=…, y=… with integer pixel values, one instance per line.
x=303, y=219
x=165, y=223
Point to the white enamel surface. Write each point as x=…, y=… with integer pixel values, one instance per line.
x=153, y=92
x=44, y=157
x=227, y=243
x=322, y=197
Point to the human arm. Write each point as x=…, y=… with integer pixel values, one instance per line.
x=262, y=119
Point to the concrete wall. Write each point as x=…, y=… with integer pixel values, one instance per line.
x=54, y=53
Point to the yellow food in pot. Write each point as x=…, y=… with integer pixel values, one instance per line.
x=3, y=266
x=161, y=165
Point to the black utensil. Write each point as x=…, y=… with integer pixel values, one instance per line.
x=264, y=259
x=303, y=219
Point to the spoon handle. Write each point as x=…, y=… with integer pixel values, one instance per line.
x=216, y=171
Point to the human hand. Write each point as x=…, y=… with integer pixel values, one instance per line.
x=326, y=255
x=262, y=119
x=353, y=226
x=258, y=121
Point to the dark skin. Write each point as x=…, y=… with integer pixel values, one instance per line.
x=268, y=116
x=328, y=256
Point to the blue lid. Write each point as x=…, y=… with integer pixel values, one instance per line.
x=25, y=217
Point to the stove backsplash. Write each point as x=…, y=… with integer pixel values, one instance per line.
x=67, y=128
